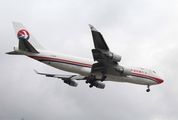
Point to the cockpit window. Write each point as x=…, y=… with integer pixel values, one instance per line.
x=154, y=71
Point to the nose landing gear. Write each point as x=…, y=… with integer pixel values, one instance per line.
x=148, y=88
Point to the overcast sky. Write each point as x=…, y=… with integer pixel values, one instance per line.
x=144, y=33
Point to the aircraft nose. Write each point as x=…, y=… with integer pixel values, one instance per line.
x=161, y=81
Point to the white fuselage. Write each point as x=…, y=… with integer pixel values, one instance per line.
x=106, y=66
x=83, y=66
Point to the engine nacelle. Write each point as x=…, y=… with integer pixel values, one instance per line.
x=125, y=71
x=71, y=83
x=100, y=85
x=104, y=54
x=114, y=57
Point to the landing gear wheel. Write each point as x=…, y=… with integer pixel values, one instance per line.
x=148, y=90
x=89, y=79
x=90, y=86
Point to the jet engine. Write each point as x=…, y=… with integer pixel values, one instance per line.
x=114, y=57
x=103, y=54
x=100, y=85
x=124, y=71
x=71, y=82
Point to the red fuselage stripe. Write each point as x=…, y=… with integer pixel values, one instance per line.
x=42, y=58
x=60, y=60
x=158, y=80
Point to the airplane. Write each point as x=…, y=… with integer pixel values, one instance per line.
x=104, y=66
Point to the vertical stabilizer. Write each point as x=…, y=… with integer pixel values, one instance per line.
x=26, y=40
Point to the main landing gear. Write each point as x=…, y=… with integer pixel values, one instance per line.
x=148, y=88
x=103, y=78
x=93, y=80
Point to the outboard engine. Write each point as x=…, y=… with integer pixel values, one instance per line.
x=71, y=82
x=103, y=54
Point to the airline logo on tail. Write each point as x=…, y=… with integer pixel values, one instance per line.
x=23, y=34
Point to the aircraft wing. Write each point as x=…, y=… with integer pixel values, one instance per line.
x=107, y=61
x=74, y=77
x=68, y=79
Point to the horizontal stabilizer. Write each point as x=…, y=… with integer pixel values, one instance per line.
x=13, y=53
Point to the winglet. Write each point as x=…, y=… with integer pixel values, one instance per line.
x=47, y=75
x=98, y=39
x=92, y=28
x=36, y=71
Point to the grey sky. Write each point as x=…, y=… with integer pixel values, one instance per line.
x=144, y=33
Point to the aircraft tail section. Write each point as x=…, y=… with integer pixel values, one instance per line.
x=27, y=42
